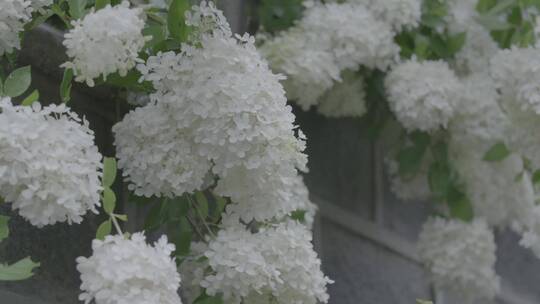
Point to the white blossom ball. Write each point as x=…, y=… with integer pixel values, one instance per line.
x=461, y=257
x=352, y=34
x=477, y=51
x=122, y=271
x=157, y=158
x=275, y=265
x=423, y=95
x=104, y=42
x=310, y=69
x=14, y=14
x=226, y=98
x=399, y=14
x=50, y=169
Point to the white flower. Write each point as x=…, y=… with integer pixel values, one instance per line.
x=49, y=165
x=13, y=15
x=122, y=271
x=514, y=72
x=352, y=34
x=461, y=13
x=478, y=49
x=398, y=13
x=156, y=158
x=479, y=118
x=232, y=111
x=310, y=70
x=423, y=95
x=460, y=256
x=346, y=98
x=105, y=42
x=275, y=265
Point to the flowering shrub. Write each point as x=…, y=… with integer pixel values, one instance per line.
x=459, y=78
x=212, y=144
x=210, y=141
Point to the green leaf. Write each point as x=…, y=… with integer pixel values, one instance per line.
x=176, y=19
x=181, y=237
x=440, y=152
x=155, y=216
x=536, y=177
x=501, y=7
x=157, y=32
x=459, y=205
x=109, y=171
x=278, y=15
x=202, y=204
x=456, y=42
x=1, y=86
x=77, y=8
x=4, y=229
x=18, y=82
x=493, y=23
x=497, y=152
x=109, y=200
x=65, y=86
x=21, y=270
x=178, y=208
x=129, y=81
x=104, y=229
x=220, y=203
x=30, y=99
x=101, y=4
x=421, y=46
x=206, y=299
x=439, y=180
x=485, y=5
x=409, y=161
x=122, y=217
x=299, y=215
x=38, y=20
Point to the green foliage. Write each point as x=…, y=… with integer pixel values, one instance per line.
x=17, y=82
x=410, y=158
x=176, y=20
x=20, y=270
x=109, y=171
x=77, y=8
x=497, y=152
x=30, y=99
x=4, y=230
x=65, y=86
x=104, y=229
x=101, y=4
x=278, y=15
x=206, y=299
x=202, y=204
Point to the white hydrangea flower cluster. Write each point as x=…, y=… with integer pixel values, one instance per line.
x=328, y=40
x=155, y=157
x=223, y=104
x=514, y=72
x=423, y=95
x=461, y=257
x=398, y=13
x=310, y=71
x=124, y=270
x=275, y=265
x=346, y=98
x=14, y=14
x=50, y=169
x=104, y=42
